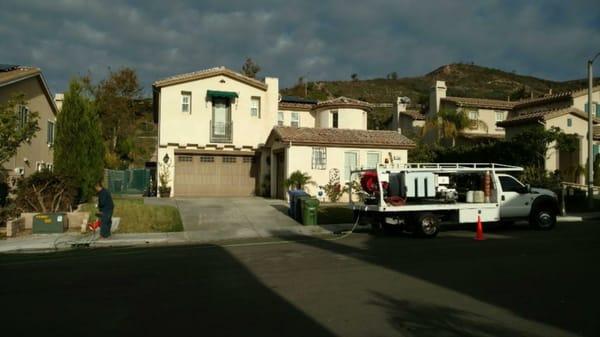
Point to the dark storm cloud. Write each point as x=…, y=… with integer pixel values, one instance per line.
x=315, y=39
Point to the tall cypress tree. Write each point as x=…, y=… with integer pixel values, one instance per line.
x=78, y=147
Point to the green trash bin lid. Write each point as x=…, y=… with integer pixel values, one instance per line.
x=312, y=202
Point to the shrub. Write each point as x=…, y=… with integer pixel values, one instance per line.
x=298, y=180
x=539, y=177
x=45, y=191
x=333, y=188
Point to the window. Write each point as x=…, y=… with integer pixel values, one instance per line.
x=373, y=159
x=186, y=101
x=473, y=116
x=569, y=122
x=499, y=116
x=510, y=184
x=184, y=158
x=248, y=160
x=595, y=150
x=40, y=166
x=229, y=159
x=334, y=119
x=23, y=116
x=319, y=158
x=295, y=122
x=595, y=106
x=280, y=118
x=350, y=163
x=50, y=138
x=255, y=107
x=207, y=159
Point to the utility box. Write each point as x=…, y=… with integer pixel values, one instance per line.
x=44, y=223
x=420, y=184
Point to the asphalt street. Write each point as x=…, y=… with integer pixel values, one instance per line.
x=518, y=282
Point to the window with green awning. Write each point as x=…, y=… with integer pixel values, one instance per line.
x=221, y=94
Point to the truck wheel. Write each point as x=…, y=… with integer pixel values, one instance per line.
x=427, y=225
x=543, y=218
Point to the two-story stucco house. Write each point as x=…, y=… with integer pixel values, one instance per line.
x=484, y=113
x=29, y=81
x=224, y=134
x=567, y=111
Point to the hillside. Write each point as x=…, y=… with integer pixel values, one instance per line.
x=465, y=80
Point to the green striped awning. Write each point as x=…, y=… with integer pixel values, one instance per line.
x=221, y=94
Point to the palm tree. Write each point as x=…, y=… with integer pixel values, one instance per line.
x=449, y=123
x=298, y=180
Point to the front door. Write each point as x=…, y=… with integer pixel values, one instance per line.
x=221, y=116
x=514, y=200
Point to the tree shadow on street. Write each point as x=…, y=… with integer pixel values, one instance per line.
x=170, y=291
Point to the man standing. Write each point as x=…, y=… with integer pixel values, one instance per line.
x=105, y=208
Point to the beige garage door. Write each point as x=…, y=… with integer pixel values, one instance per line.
x=214, y=175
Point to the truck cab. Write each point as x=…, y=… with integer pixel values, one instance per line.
x=519, y=201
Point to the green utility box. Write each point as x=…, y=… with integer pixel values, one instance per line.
x=49, y=223
x=310, y=208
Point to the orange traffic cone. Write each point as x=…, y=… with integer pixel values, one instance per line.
x=479, y=234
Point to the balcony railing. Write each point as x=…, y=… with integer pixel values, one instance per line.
x=221, y=132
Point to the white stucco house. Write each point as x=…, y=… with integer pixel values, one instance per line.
x=569, y=112
x=224, y=134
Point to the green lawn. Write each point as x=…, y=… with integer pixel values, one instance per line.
x=136, y=217
x=334, y=214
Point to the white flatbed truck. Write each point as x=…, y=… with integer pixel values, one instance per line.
x=418, y=197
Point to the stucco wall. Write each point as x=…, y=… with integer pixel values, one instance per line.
x=38, y=150
x=194, y=128
x=306, y=118
x=300, y=158
x=488, y=117
x=348, y=118
x=579, y=102
x=578, y=127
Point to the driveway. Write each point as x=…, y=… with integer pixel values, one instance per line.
x=212, y=218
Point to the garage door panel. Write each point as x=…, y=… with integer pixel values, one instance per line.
x=215, y=175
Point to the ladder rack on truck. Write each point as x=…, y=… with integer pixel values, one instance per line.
x=455, y=192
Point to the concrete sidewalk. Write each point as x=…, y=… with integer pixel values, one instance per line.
x=54, y=242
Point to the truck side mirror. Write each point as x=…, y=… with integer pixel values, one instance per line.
x=525, y=189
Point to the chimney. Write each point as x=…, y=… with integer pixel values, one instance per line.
x=437, y=92
x=399, y=107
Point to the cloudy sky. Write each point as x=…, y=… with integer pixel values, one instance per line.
x=319, y=40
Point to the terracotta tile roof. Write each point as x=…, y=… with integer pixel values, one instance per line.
x=341, y=137
x=196, y=75
x=478, y=135
x=295, y=106
x=344, y=102
x=480, y=102
x=542, y=115
x=17, y=74
x=554, y=97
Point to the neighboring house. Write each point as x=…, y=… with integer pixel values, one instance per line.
x=567, y=111
x=484, y=113
x=405, y=120
x=29, y=81
x=225, y=134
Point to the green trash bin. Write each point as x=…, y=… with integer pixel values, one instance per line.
x=49, y=223
x=310, y=208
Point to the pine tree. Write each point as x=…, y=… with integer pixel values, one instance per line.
x=78, y=147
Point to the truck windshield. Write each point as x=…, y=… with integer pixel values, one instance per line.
x=510, y=184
